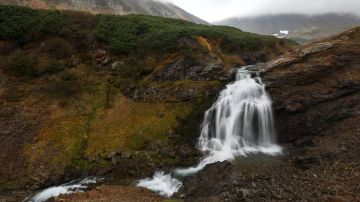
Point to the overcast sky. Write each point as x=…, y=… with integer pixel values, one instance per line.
x=215, y=10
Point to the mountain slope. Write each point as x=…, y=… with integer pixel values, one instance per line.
x=83, y=93
x=300, y=27
x=117, y=7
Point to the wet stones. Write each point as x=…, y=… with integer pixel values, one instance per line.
x=212, y=180
x=307, y=162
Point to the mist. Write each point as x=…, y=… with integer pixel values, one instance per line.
x=215, y=10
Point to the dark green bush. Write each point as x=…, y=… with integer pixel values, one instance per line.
x=53, y=67
x=132, y=68
x=65, y=86
x=139, y=34
x=68, y=88
x=58, y=47
x=21, y=64
x=22, y=24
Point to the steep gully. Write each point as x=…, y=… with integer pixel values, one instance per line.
x=239, y=123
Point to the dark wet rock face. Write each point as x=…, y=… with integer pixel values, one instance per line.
x=184, y=80
x=316, y=86
x=180, y=70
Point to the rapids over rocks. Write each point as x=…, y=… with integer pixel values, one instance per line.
x=239, y=123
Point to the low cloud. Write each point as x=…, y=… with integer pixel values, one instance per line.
x=214, y=10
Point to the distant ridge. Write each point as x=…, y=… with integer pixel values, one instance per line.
x=117, y=7
x=301, y=27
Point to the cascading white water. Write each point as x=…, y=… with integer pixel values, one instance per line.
x=164, y=184
x=67, y=188
x=239, y=123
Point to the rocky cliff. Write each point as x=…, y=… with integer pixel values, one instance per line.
x=117, y=7
x=316, y=86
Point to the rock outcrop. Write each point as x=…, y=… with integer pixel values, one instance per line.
x=316, y=86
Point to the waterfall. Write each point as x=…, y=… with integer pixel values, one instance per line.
x=240, y=122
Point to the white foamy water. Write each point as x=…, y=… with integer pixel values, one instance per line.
x=239, y=123
x=161, y=183
x=68, y=188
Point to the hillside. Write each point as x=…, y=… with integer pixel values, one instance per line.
x=117, y=7
x=301, y=27
x=88, y=94
x=316, y=93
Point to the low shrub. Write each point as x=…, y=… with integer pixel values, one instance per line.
x=22, y=24
x=140, y=33
x=21, y=64
x=58, y=47
x=52, y=67
x=131, y=69
x=65, y=86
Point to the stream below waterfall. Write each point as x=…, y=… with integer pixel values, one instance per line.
x=240, y=122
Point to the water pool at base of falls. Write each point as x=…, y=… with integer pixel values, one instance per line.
x=239, y=123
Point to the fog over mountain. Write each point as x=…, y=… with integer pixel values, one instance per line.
x=216, y=10
x=300, y=27
x=302, y=20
